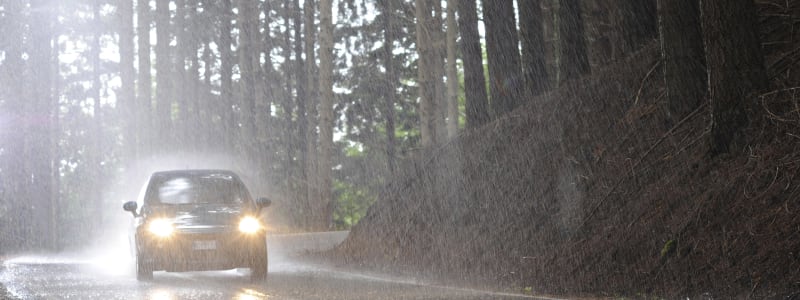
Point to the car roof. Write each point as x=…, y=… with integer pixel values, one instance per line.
x=193, y=172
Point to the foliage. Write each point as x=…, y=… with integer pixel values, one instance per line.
x=351, y=205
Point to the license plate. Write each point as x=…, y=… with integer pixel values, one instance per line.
x=204, y=245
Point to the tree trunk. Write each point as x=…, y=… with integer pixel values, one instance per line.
x=391, y=81
x=144, y=84
x=180, y=76
x=452, y=71
x=502, y=51
x=326, y=113
x=209, y=104
x=639, y=23
x=573, y=62
x=477, y=108
x=302, y=120
x=289, y=126
x=248, y=64
x=39, y=137
x=55, y=149
x=163, y=76
x=127, y=74
x=230, y=129
x=426, y=74
x=267, y=90
x=735, y=69
x=313, y=100
x=96, y=156
x=438, y=46
x=534, y=64
x=196, y=132
x=685, y=75
x=12, y=87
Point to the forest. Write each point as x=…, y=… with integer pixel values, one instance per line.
x=636, y=143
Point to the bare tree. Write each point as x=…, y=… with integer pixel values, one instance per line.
x=639, y=23
x=326, y=122
x=534, y=61
x=227, y=58
x=735, y=68
x=682, y=50
x=301, y=78
x=388, y=8
x=127, y=74
x=311, y=115
x=248, y=64
x=573, y=61
x=426, y=73
x=452, y=71
x=477, y=107
x=502, y=51
x=37, y=152
x=144, y=84
x=163, y=75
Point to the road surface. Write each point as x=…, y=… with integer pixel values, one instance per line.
x=100, y=275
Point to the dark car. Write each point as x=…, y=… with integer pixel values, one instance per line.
x=197, y=220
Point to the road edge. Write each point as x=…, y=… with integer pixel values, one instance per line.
x=4, y=293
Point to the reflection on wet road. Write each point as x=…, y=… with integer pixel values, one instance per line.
x=62, y=277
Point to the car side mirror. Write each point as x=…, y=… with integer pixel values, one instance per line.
x=131, y=207
x=263, y=202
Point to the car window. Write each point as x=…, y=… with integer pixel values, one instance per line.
x=198, y=189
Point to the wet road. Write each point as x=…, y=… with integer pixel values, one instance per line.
x=31, y=278
x=88, y=276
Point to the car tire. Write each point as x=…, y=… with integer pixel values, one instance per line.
x=144, y=267
x=259, y=265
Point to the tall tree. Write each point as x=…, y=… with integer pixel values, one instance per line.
x=389, y=31
x=426, y=73
x=191, y=45
x=310, y=29
x=289, y=103
x=682, y=51
x=13, y=102
x=639, y=23
x=38, y=148
x=452, y=71
x=573, y=60
x=127, y=74
x=438, y=54
x=144, y=85
x=180, y=76
x=302, y=119
x=735, y=68
x=326, y=122
x=164, y=78
x=477, y=107
x=227, y=101
x=502, y=51
x=249, y=62
x=97, y=153
x=534, y=61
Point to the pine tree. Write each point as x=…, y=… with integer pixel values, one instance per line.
x=477, y=103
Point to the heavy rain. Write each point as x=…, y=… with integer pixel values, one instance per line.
x=399, y=149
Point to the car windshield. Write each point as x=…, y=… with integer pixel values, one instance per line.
x=216, y=188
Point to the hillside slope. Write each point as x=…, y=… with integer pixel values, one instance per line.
x=590, y=189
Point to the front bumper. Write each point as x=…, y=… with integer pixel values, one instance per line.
x=202, y=250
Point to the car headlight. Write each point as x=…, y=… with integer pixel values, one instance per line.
x=161, y=227
x=249, y=225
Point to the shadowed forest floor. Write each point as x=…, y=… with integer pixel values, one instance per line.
x=592, y=190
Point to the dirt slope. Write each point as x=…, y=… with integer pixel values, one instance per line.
x=590, y=189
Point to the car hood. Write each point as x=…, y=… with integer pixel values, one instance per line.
x=201, y=217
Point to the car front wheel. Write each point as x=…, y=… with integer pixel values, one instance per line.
x=144, y=267
x=259, y=265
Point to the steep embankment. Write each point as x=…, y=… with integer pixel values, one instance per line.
x=590, y=189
